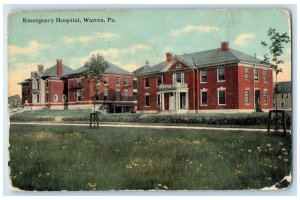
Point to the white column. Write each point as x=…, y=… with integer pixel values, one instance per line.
x=178, y=100
x=162, y=101
x=187, y=100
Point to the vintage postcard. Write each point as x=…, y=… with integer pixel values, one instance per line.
x=150, y=99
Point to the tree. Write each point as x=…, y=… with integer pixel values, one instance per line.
x=275, y=50
x=96, y=66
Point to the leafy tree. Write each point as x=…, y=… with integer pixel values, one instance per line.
x=96, y=66
x=275, y=50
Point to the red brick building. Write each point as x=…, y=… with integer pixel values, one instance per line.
x=61, y=87
x=222, y=80
x=46, y=88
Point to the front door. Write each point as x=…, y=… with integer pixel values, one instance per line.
x=182, y=100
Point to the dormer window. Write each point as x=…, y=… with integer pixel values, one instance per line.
x=178, y=66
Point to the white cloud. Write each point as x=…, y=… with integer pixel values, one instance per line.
x=243, y=39
x=111, y=54
x=33, y=47
x=190, y=28
x=85, y=39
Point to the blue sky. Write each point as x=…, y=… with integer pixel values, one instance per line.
x=136, y=36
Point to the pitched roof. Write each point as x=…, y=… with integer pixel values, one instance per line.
x=206, y=59
x=112, y=69
x=52, y=71
x=284, y=87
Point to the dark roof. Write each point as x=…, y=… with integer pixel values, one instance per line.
x=284, y=87
x=112, y=69
x=52, y=71
x=206, y=59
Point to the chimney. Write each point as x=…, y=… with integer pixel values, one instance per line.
x=40, y=68
x=225, y=46
x=59, y=68
x=169, y=56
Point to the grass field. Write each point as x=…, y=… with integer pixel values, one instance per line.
x=58, y=158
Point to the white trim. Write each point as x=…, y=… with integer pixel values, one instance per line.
x=55, y=97
x=248, y=73
x=265, y=70
x=218, y=74
x=218, y=90
x=254, y=68
x=201, y=91
x=201, y=76
x=118, y=78
x=145, y=82
x=265, y=90
x=247, y=103
x=147, y=95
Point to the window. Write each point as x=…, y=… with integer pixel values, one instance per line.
x=125, y=95
x=37, y=98
x=265, y=97
x=134, y=84
x=55, y=98
x=146, y=82
x=63, y=98
x=221, y=95
x=105, y=81
x=178, y=78
x=247, y=73
x=247, y=96
x=265, y=75
x=47, y=83
x=97, y=96
x=282, y=105
x=147, y=100
x=117, y=81
x=204, y=98
x=204, y=76
x=159, y=80
x=221, y=74
x=105, y=95
x=287, y=95
x=256, y=74
x=118, y=95
x=158, y=100
x=282, y=96
x=179, y=65
x=47, y=97
x=126, y=81
x=134, y=96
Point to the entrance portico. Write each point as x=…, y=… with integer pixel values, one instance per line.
x=173, y=98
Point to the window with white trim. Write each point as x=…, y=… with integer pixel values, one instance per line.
x=178, y=78
x=55, y=98
x=105, y=81
x=265, y=97
x=221, y=74
x=247, y=97
x=246, y=73
x=147, y=82
x=203, y=76
x=105, y=95
x=126, y=81
x=256, y=74
x=117, y=81
x=64, y=98
x=159, y=80
x=203, y=98
x=147, y=100
x=221, y=97
x=265, y=75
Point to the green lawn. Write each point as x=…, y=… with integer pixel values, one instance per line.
x=79, y=158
